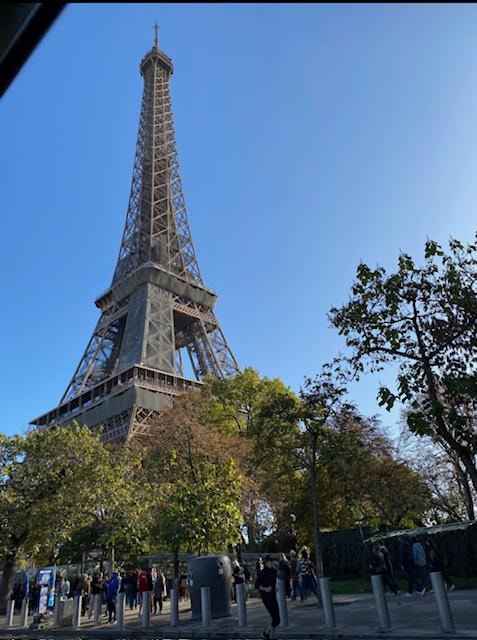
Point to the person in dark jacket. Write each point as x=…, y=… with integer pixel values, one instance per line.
x=159, y=587
x=237, y=578
x=407, y=565
x=284, y=573
x=266, y=584
x=97, y=584
x=379, y=567
x=435, y=564
x=246, y=572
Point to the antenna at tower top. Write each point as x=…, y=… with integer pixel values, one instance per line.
x=156, y=45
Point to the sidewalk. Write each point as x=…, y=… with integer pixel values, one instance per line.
x=414, y=617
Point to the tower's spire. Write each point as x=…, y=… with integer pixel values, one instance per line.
x=156, y=43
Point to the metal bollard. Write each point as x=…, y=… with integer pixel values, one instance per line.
x=445, y=614
x=380, y=602
x=205, y=606
x=57, y=613
x=174, y=607
x=24, y=613
x=98, y=605
x=241, y=606
x=121, y=606
x=10, y=611
x=328, y=609
x=282, y=604
x=78, y=601
x=146, y=609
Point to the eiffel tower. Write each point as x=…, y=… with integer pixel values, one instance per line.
x=157, y=309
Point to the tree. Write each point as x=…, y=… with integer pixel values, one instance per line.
x=202, y=515
x=322, y=400
x=196, y=475
x=352, y=469
x=264, y=413
x=452, y=497
x=424, y=319
x=48, y=481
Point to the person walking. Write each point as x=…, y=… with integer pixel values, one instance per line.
x=159, y=587
x=420, y=566
x=307, y=577
x=284, y=573
x=294, y=574
x=237, y=578
x=65, y=588
x=379, y=567
x=183, y=584
x=258, y=566
x=142, y=587
x=111, y=590
x=266, y=583
x=84, y=589
x=436, y=564
x=407, y=563
x=246, y=572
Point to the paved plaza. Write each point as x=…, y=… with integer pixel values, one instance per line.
x=414, y=617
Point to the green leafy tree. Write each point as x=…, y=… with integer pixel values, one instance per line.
x=264, y=412
x=203, y=515
x=197, y=475
x=423, y=318
x=48, y=480
x=321, y=401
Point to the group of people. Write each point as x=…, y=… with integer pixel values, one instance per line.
x=135, y=584
x=298, y=575
x=417, y=559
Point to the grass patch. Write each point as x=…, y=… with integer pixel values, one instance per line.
x=363, y=585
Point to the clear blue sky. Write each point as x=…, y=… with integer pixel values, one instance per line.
x=310, y=138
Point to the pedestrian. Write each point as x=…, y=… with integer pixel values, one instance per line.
x=97, y=585
x=65, y=588
x=436, y=564
x=237, y=578
x=284, y=573
x=246, y=572
x=183, y=586
x=406, y=562
x=307, y=577
x=17, y=595
x=159, y=587
x=294, y=574
x=111, y=590
x=85, y=587
x=420, y=566
x=380, y=567
x=266, y=583
x=142, y=587
x=258, y=565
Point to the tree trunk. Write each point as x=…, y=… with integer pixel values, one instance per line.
x=8, y=567
x=315, y=509
x=463, y=481
x=111, y=558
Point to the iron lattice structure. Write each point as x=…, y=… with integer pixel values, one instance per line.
x=157, y=308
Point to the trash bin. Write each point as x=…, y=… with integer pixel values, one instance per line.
x=214, y=572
